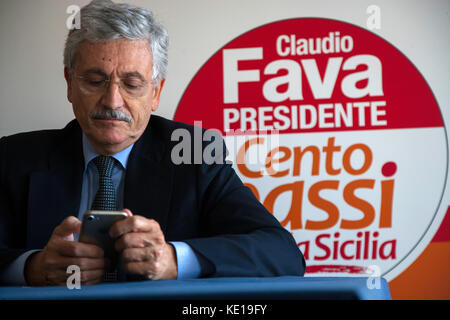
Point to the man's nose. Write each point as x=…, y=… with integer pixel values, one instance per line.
x=112, y=98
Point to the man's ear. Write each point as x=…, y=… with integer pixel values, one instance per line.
x=69, y=83
x=157, y=94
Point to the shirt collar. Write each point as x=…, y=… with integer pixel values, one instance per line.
x=90, y=153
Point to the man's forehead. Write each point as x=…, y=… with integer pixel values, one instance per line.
x=115, y=56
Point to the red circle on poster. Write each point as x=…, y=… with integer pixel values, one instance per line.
x=346, y=99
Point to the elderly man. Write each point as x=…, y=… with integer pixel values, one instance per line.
x=184, y=221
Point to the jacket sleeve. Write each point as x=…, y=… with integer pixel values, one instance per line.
x=240, y=237
x=9, y=249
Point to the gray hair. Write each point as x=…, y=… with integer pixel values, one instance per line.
x=104, y=20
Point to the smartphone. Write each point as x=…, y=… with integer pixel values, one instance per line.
x=95, y=229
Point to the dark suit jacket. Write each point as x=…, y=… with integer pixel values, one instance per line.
x=207, y=206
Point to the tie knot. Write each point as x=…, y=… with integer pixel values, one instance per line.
x=105, y=165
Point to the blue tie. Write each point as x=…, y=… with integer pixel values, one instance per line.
x=105, y=199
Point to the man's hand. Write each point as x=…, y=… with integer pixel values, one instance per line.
x=143, y=248
x=49, y=266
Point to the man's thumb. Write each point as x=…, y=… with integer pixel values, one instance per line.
x=66, y=229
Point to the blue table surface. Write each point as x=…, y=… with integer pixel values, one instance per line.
x=276, y=288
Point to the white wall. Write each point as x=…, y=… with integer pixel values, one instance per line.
x=32, y=35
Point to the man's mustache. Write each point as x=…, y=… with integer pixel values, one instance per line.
x=111, y=114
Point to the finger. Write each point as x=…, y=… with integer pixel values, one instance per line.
x=78, y=249
x=142, y=268
x=56, y=277
x=133, y=224
x=62, y=263
x=67, y=228
x=89, y=264
x=128, y=213
x=137, y=255
x=139, y=240
x=89, y=276
x=92, y=276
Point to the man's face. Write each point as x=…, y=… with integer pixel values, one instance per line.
x=112, y=79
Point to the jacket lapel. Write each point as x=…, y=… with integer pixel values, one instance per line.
x=58, y=190
x=148, y=179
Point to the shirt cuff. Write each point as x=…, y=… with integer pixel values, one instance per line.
x=188, y=265
x=13, y=274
